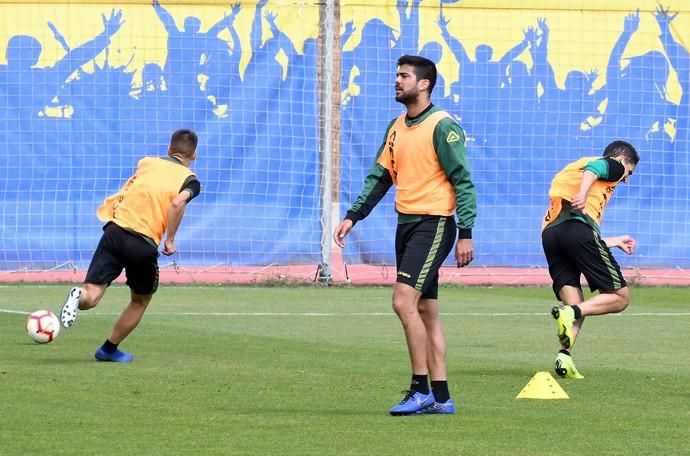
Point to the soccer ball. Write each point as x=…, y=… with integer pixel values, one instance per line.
x=43, y=326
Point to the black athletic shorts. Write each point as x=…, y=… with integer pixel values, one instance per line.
x=120, y=249
x=420, y=250
x=573, y=248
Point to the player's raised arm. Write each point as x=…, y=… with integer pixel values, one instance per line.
x=579, y=200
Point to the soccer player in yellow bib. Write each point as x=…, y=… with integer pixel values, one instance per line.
x=573, y=244
x=147, y=209
x=423, y=155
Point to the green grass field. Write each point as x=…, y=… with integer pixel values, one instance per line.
x=313, y=371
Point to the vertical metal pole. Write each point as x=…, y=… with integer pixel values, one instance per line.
x=328, y=50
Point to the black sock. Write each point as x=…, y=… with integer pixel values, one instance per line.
x=578, y=312
x=109, y=347
x=420, y=383
x=440, y=389
x=564, y=351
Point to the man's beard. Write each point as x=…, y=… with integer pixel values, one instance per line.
x=406, y=97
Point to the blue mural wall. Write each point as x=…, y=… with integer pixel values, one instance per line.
x=77, y=111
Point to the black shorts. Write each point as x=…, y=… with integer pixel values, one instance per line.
x=573, y=248
x=120, y=249
x=420, y=250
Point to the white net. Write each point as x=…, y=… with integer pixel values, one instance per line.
x=291, y=100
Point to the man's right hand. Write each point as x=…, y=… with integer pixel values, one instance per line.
x=341, y=231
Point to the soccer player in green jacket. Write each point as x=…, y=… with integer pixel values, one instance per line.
x=423, y=155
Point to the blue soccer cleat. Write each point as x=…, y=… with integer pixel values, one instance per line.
x=117, y=357
x=413, y=402
x=438, y=408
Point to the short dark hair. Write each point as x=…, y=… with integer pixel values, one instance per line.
x=423, y=68
x=184, y=141
x=623, y=149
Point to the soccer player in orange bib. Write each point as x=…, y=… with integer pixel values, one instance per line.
x=423, y=155
x=147, y=209
x=573, y=244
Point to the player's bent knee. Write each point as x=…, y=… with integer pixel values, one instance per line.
x=623, y=299
x=140, y=300
x=91, y=295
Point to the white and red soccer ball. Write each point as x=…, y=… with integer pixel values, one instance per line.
x=43, y=326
